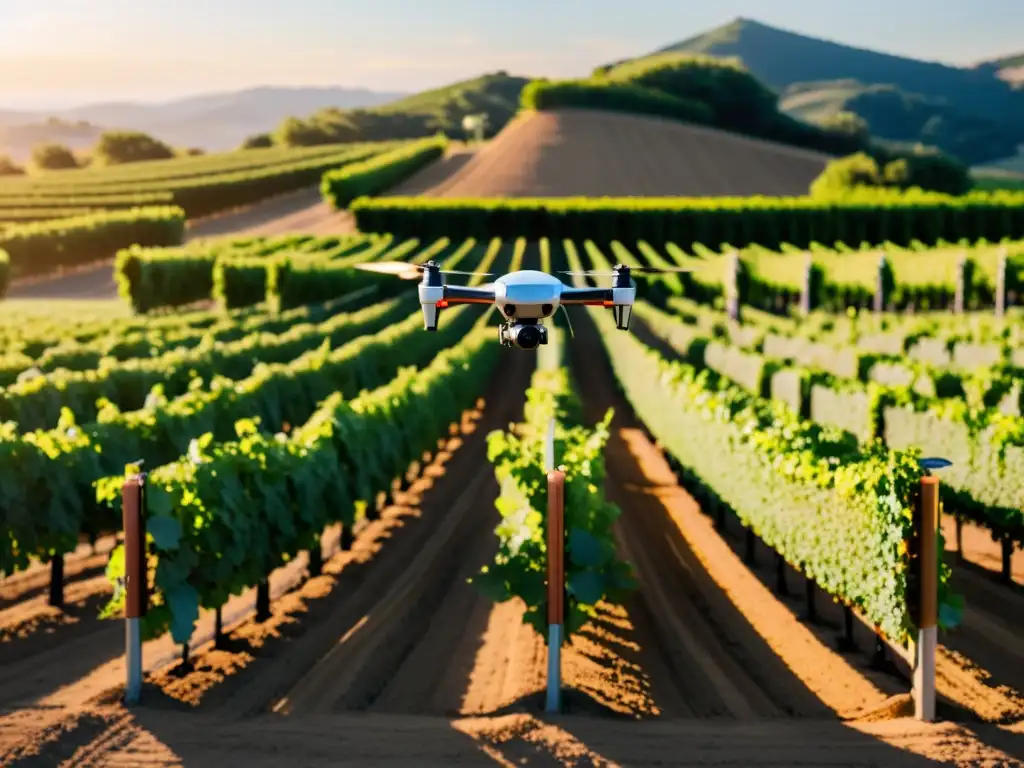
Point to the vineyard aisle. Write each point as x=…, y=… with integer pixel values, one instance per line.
x=390, y=658
x=303, y=211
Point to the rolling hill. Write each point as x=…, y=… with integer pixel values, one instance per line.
x=213, y=121
x=551, y=154
x=969, y=112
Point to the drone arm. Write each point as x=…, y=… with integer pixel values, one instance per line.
x=592, y=296
x=460, y=294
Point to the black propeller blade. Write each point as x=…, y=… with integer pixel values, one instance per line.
x=406, y=271
x=633, y=271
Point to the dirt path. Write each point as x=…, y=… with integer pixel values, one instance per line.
x=432, y=670
x=302, y=211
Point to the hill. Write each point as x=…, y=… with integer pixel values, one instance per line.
x=922, y=101
x=213, y=121
x=441, y=109
x=552, y=154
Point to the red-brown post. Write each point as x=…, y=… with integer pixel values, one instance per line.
x=556, y=586
x=135, y=583
x=924, y=668
x=556, y=547
x=136, y=588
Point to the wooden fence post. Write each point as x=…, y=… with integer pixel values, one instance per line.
x=960, y=297
x=927, y=529
x=135, y=581
x=732, y=287
x=556, y=586
x=806, y=301
x=880, y=297
x=1001, y=284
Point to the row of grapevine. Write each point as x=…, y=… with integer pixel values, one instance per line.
x=36, y=402
x=343, y=185
x=243, y=273
x=976, y=424
x=870, y=217
x=121, y=179
x=199, y=192
x=592, y=571
x=839, y=513
x=44, y=247
x=224, y=517
x=51, y=473
x=48, y=343
x=973, y=418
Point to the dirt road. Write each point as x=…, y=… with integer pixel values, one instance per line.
x=303, y=211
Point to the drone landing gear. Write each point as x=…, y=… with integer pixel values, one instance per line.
x=525, y=334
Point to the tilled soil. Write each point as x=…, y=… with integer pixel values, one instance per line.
x=410, y=665
x=578, y=152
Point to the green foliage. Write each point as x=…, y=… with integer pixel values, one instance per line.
x=593, y=573
x=907, y=404
x=118, y=147
x=231, y=512
x=46, y=246
x=614, y=97
x=201, y=185
x=836, y=512
x=867, y=216
x=340, y=187
x=425, y=114
x=922, y=170
x=292, y=376
x=257, y=141
x=53, y=157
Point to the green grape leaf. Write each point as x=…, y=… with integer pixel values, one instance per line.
x=586, y=550
x=183, y=601
x=587, y=586
x=166, y=531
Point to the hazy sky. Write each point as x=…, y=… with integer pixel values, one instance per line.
x=58, y=52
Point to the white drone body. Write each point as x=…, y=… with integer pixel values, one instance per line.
x=524, y=298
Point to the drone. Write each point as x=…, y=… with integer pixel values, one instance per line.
x=524, y=298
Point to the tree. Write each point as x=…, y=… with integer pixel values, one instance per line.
x=53, y=157
x=118, y=147
x=10, y=168
x=859, y=170
x=259, y=141
x=848, y=124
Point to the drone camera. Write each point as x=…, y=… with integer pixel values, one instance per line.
x=525, y=335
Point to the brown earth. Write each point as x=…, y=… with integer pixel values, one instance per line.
x=565, y=153
x=391, y=658
x=980, y=665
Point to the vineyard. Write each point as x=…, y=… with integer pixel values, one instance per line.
x=201, y=185
x=347, y=519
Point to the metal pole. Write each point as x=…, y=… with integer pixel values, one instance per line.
x=924, y=668
x=134, y=582
x=556, y=587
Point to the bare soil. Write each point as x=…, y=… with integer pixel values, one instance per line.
x=565, y=153
x=392, y=658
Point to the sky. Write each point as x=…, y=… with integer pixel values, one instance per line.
x=56, y=53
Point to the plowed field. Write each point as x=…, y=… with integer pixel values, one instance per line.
x=568, y=153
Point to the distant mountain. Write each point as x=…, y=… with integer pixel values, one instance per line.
x=905, y=99
x=214, y=121
x=1009, y=68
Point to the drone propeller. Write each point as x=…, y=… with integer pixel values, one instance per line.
x=633, y=270
x=406, y=271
